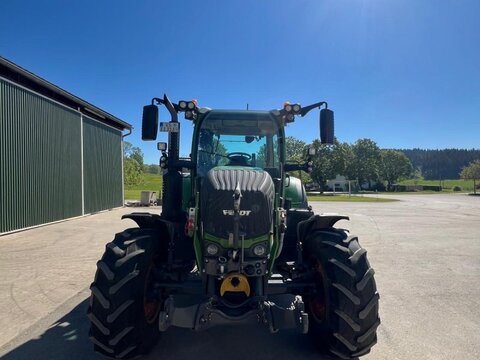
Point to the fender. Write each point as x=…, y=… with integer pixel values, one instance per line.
x=148, y=220
x=317, y=222
x=179, y=246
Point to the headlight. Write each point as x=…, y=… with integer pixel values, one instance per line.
x=212, y=249
x=191, y=105
x=288, y=108
x=259, y=250
x=296, y=108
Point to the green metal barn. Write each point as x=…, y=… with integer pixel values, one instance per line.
x=60, y=157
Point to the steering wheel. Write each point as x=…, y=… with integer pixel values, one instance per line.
x=235, y=155
x=239, y=158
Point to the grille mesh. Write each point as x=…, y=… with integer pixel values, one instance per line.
x=257, y=196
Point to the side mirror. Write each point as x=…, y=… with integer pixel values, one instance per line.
x=150, y=122
x=327, y=133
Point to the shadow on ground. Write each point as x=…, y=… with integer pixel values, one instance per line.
x=68, y=339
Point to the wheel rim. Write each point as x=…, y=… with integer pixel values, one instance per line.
x=151, y=303
x=318, y=300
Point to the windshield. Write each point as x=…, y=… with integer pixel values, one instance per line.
x=237, y=142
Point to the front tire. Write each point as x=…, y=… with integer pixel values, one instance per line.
x=343, y=309
x=124, y=309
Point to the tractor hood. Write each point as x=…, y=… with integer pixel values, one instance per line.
x=256, y=203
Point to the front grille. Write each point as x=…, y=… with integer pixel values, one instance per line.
x=217, y=195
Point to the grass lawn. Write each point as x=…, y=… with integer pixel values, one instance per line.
x=425, y=192
x=151, y=182
x=447, y=185
x=347, y=198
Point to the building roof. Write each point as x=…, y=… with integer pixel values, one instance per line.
x=19, y=75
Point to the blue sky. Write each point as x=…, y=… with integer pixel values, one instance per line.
x=404, y=73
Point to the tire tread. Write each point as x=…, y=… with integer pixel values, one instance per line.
x=118, y=328
x=352, y=318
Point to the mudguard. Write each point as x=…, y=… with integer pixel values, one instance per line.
x=180, y=247
x=318, y=222
x=148, y=220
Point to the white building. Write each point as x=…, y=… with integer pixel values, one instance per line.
x=341, y=184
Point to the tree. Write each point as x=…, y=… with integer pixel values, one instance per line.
x=132, y=172
x=330, y=161
x=127, y=149
x=295, y=151
x=366, y=160
x=152, y=169
x=342, y=159
x=133, y=167
x=295, y=148
x=472, y=172
x=133, y=152
x=322, y=164
x=441, y=164
x=393, y=166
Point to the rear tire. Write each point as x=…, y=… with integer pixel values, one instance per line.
x=343, y=310
x=123, y=312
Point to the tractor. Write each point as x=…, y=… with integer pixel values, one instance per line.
x=236, y=242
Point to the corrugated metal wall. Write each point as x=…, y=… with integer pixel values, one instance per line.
x=102, y=159
x=40, y=160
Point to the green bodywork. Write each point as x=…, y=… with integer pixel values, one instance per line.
x=248, y=243
x=186, y=192
x=287, y=187
x=295, y=192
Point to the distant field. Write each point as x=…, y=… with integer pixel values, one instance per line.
x=346, y=198
x=154, y=183
x=151, y=183
x=447, y=185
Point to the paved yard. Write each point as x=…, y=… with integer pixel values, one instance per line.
x=425, y=251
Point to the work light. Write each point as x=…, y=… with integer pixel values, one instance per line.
x=182, y=105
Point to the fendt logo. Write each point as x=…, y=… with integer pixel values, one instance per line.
x=241, y=212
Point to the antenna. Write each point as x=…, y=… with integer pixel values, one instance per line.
x=247, y=106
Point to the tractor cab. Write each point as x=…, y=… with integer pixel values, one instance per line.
x=245, y=139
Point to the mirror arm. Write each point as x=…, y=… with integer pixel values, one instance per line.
x=295, y=167
x=165, y=102
x=188, y=164
x=157, y=100
x=292, y=167
x=171, y=108
x=307, y=109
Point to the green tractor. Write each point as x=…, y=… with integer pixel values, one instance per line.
x=236, y=243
